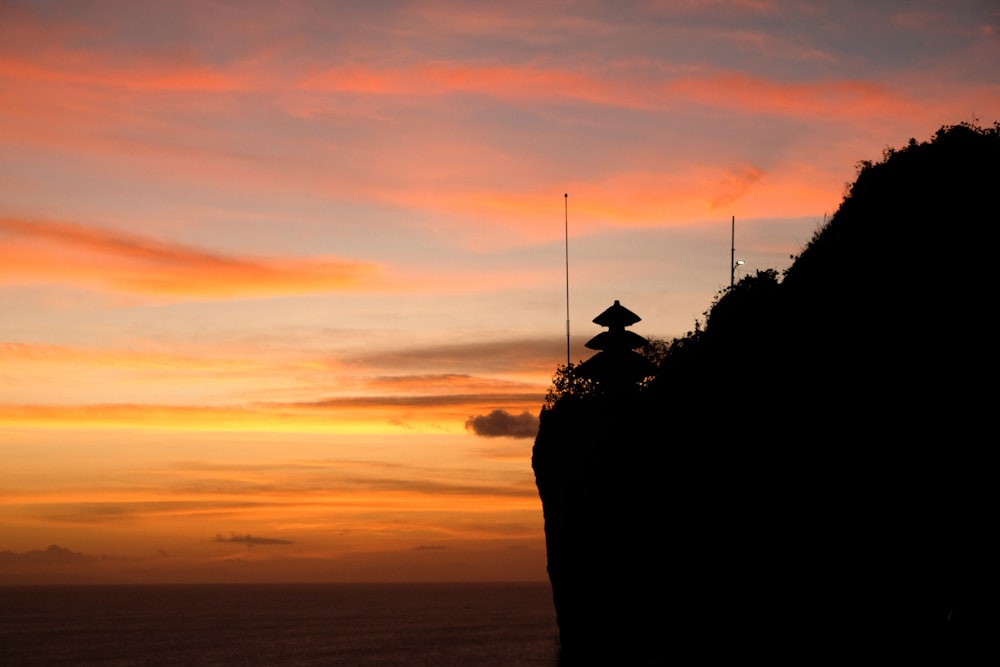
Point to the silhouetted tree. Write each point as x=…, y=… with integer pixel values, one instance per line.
x=568, y=384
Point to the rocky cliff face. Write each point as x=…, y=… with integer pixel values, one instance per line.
x=814, y=467
x=604, y=529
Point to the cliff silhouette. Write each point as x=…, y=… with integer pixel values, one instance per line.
x=811, y=471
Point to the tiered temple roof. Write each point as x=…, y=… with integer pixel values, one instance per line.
x=616, y=364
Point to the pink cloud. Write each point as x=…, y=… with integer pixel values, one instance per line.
x=524, y=83
x=837, y=98
x=58, y=252
x=88, y=69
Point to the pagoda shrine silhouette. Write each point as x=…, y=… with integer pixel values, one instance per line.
x=617, y=365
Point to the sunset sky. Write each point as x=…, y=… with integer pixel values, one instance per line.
x=263, y=264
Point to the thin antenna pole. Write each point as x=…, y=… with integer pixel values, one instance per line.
x=566, y=211
x=732, y=255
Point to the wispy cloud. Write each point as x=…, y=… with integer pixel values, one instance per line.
x=202, y=361
x=342, y=414
x=510, y=83
x=513, y=355
x=64, y=252
x=89, y=69
x=250, y=540
x=835, y=98
x=53, y=555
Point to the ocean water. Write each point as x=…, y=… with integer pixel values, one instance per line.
x=264, y=624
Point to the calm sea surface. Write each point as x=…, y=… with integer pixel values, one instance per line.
x=301, y=624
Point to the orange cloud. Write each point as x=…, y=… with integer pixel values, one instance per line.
x=57, y=374
x=648, y=87
x=202, y=361
x=826, y=99
x=178, y=418
x=51, y=252
x=506, y=82
x=698, y=193
x=88, y=69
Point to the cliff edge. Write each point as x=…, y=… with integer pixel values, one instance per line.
x=811, y=472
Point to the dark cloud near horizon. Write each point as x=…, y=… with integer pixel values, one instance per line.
x=415, y=401
x=250, y=540
x=502, y=424
x=310, y=476
x=90, y=513
x=53, y=555
x=534, y=353
x=439, y=487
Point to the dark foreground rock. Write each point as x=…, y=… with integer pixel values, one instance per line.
x=812, y=473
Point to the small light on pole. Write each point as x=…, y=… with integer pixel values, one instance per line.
x=732, y=275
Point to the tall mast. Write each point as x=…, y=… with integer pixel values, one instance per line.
x=566, y=213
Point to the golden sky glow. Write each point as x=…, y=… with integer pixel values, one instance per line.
x=261, y=263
